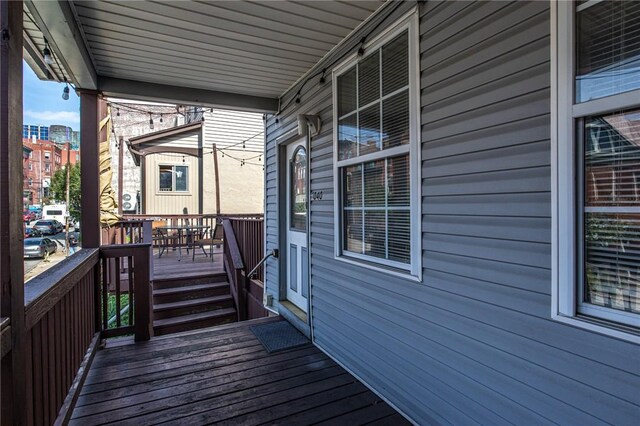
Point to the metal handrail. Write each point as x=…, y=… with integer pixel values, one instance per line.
x=273, y=253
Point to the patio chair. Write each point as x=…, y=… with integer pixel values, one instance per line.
x=162, y=237
x=216, y=238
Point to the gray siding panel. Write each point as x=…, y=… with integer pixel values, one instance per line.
x=473, y=343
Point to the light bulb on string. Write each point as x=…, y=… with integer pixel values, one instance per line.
x=183, y=158
x=65, y=91
x=117, y=112
x=161, y=118
x=150, y=122
x=46, y=53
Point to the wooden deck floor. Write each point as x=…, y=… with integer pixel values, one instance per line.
x=171, y=266
x=223, y=375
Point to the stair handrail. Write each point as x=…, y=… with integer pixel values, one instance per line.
x=234, y=266
x=273, y=253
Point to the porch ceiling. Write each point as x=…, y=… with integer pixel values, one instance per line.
x=249, y=48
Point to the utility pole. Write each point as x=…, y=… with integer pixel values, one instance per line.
x=66, y=230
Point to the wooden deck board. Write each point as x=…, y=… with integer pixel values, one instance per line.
x=222, y=375
x=170, y=266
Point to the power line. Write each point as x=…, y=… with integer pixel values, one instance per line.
x=322, y=72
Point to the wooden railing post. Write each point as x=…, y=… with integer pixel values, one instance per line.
x=147, y=238
x=142, y=297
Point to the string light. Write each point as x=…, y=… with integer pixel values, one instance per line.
x=322, y=79
x=361, y=48
x=161, y=117
x=65, y=91
x=361, y=51
x=46, y=53
x=117, y=112
x=150, y=122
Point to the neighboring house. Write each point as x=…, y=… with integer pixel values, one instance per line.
x=438, y=253
x=179, y=173
x=129, y=119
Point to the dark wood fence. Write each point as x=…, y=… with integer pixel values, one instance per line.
x=61, y=333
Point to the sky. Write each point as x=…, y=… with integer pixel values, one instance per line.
x=43, y=103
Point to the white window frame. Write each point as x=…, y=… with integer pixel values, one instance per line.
x=413, y=270
x=565, y=286
x=173, y=180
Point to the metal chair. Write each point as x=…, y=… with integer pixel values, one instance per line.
x=216, y=238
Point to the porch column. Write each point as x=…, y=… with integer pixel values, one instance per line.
x=14, y=373
x=90, y=169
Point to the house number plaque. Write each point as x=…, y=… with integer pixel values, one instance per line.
x=316, y=195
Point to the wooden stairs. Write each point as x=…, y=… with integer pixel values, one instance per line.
x=183, y=304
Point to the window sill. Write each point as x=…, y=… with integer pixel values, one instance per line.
x=173, y=193
x=405, y=275
x=602, y=327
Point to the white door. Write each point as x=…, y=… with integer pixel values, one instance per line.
x=297, y=205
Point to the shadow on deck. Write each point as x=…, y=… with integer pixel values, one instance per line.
x=222, y=375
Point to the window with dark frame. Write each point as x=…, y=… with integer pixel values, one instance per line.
x=373, y=144
x=173, y=178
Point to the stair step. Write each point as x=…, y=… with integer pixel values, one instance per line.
x=197, y=291
x=193, y=321
x=185, y=280
x=191, y=306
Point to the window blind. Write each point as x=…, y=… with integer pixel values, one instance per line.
x=373, y=116
x=612, y=211
x=608, y=55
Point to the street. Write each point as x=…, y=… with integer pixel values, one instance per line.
x=30, y=264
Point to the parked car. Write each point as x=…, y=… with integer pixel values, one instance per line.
x=28, y=216
x=48, y=227
x=32, y=232
x=39, y=247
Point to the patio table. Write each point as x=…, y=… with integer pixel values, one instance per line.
x=187, y=230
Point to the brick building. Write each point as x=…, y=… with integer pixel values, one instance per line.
x=42, y=159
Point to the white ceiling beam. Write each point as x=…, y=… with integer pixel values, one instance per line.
x=57, y=22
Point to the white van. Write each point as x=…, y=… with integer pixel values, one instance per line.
x=55, y=212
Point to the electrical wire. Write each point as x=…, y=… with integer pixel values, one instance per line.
x=321, y=73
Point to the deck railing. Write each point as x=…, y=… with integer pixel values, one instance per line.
x=249, y=233
x=134, y=284
x=60, y=317
x=65, y=319
x=245, y=243
x=234, y=267
x=131, y=230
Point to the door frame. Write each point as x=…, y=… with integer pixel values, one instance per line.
x=283, y=175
